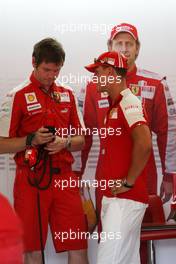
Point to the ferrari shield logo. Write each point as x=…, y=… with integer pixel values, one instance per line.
x=113, y=114
x=56, y=96
x=135, y=89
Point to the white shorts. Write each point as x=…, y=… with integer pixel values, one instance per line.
x=121, y=225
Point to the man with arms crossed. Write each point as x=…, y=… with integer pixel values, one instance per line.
x=123, y=157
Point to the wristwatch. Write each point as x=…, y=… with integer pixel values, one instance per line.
x=125, y=184
x=68, y=143
x=29, y=139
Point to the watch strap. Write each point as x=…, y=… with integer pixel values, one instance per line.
x=29, y=139
x=127, y=185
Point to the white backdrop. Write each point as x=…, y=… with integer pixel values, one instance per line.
x=83, y=28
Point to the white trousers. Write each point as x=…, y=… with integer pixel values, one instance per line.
x=121, y=225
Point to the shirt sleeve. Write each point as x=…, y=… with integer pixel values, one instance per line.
x=10, y=115
x=87, y=103
x=164, y=126
x=76, y=120
x=90, y=119
x=131, y=108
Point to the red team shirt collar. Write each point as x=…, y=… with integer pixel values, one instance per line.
x=116, y=102
x=38, y=84
x=119, y=98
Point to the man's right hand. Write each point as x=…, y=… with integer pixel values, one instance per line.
x=42, y=136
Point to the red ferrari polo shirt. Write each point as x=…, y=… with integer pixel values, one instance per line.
x=116, y=150
x=29, y=107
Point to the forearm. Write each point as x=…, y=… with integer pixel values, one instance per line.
x=164, y=126
x=140, y=156
x=85, y=151
x=167, y=150
x=76, y=143
x=12, y=145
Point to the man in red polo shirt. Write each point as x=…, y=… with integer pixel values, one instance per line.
x=154, y=93
x=28, y=118
x=123, y=157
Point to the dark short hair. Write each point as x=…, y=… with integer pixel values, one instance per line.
x=48, y=50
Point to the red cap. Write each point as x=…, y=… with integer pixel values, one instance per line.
x=124, y=27
x=113, y=59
